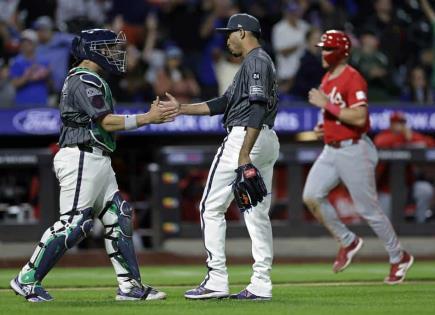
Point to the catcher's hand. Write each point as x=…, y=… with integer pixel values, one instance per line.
x=248, y=187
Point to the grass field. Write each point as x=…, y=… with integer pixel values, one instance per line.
x=298, y=289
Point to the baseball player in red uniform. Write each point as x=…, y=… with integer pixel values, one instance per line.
x=400, y=136
x=349, y=156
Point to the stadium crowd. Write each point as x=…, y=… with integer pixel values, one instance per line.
x=173, y=47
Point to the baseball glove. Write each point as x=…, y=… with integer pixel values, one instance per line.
x=248, y=187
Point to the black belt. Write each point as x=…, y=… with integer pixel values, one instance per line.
x=88, y=148
x=229, y=128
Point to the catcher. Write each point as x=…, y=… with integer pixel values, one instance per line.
x=249, y=107
x=87, y=181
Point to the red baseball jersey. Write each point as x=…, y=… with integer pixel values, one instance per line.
x=349, y=90
x=389, y=140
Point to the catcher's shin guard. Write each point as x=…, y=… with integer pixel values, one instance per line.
x=117, y=220
x=61, y=236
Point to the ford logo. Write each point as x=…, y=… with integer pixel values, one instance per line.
x=37, y=121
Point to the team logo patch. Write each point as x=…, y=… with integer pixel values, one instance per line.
x=360, y=95
x=256, y=76
x=93, y=92
x=256, y=90
x=97, y=101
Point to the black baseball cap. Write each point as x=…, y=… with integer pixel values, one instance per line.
x=242, y=21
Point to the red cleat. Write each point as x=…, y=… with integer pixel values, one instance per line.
x=345, y=255
x=398, y=271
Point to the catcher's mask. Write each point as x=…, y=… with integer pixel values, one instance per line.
x=102, y=46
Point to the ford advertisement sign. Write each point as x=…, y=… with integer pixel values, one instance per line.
x=289, y=120
x=44, y=121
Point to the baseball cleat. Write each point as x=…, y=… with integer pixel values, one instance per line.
x=202, y=293
x=345, y=255
x=246, y=295
x=32, y=292
x=146, y=293
x=398, y=271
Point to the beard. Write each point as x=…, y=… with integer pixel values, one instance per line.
x=236, y=54
x=232, y=52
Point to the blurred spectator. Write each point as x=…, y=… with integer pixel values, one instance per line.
x=153, y=57
x=401, y=136
x=385, y=25
x=288, y=39
x=74, y=16
x=8, y=12
x=30, y=73
x=132, y=87
x=375, y=68
x=9, y=40
x=152, y=24
x=226, y=68
x=182, y=20
x=54, y=46
x=417, y=30
x=7, y=91
x=329, y=14
x=30, y=10
x=131, y=15
x=267, y=12
x=430, y=14
x=3, y=38
x=216, y=13
x=417, y=89
x=425, y=61
x=175, y=78
x=310, y=70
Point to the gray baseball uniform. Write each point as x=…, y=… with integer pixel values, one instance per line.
x=349, y=156
x=251, y=101
x=253, y=83
x=88, y=186
x=85, y=98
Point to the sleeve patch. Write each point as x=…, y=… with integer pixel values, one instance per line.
x=256, y=90
x=97, y=101
x=360, y=95
x=93, y=92
x=256, y=76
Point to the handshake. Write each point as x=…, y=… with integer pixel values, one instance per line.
x=164, y=111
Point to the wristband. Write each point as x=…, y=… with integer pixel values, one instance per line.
x=130, y=122
x=333, y=109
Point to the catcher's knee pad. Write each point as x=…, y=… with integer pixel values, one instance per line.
x=117, y=220
x=118, y=216
x=63, y=235
x=125, y=215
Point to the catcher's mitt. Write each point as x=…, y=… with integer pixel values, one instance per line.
x=248, y=187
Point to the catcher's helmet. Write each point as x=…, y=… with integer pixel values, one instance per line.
x=102, y=46
x=340, y=44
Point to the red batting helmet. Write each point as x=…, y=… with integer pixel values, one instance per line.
x=339, y=42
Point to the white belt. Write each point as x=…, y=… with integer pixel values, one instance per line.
x=230, y=128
